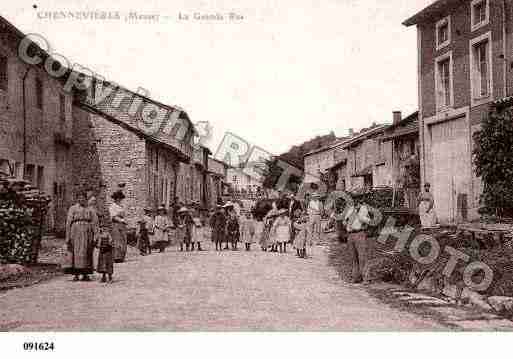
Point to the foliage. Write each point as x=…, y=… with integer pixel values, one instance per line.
x=272, y=173
x=261, y=208
x=493, y=159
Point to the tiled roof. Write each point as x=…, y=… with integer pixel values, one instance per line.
x=408, y=125
x=434, y=10
x=164, y=131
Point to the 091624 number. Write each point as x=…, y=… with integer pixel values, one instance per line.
x=36, y=346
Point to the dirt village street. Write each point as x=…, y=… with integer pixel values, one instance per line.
x=214, y=291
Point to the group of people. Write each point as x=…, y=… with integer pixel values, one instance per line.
x=291, y=221
x=186, y=228
x=87, y=231
x=288, y=221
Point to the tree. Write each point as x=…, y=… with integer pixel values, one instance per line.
x=271, y=175
x=493, y=159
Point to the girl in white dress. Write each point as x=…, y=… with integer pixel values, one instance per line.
x=198, y=228
x=426, y=208
x=281, y=230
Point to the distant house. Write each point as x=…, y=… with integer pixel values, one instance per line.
x=404, y=143
x=241, y=182
x=464, y=60
x=216, y=180
x=361, y=161
x=317, y=163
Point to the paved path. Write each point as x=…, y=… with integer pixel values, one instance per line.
x=207, y=291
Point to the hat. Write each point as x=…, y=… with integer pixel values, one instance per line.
x=161, y=208
x=183, y=209
x=228, y=204
x=118, y=195
x=148, y=209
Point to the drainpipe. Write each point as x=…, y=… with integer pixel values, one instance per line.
x=24, y=121
x=504, y=48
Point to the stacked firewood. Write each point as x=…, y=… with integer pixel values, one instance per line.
x=22, y=212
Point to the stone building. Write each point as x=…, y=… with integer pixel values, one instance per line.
x=464, y=65
x=317, y=162
x=192, y=184
x=35, y=125
x=142, y=148
x=216, y=180
x=403, y=137
x=360, y=162
x=241, y=182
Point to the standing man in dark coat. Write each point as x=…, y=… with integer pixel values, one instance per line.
x=293, y=209
x=218, y=225
x=293, y=206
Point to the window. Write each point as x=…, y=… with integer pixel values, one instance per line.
x=444, y=81
x=443, y=33
x=62, y=104
x=234, y=179
x=29, y=173
x=40, y=177
x=39, y=93
x=413, y=149
x=18, y=170
x=480, y=14
x=3, y=73
x=481, y=69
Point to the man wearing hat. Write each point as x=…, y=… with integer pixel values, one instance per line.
x=357, y=221
x=315, y=209
x=218, y=225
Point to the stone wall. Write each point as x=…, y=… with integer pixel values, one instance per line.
x=105, y=155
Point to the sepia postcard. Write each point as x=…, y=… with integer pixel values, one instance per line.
x=228, y=166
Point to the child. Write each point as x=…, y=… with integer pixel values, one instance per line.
x=144, y=238
x=198, y=228
x=301, y=225
x=281, y=230
x=232, y=228
x=105, y=256
x=184, y=228
x=161, y=227
x=248, y=231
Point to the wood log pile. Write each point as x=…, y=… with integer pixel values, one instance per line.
x=23, y=209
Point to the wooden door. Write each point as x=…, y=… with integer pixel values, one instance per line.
x=450, y=161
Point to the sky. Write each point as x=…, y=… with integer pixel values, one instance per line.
x=276, y=73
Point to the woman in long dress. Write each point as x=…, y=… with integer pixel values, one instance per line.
x=267, y=238
x=81, y=229
x=301, y=225
x=118, y=234
x=426, y=208
x=281, y=230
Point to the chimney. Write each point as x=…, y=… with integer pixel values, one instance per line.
x=397, y=117
x=351, y=132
